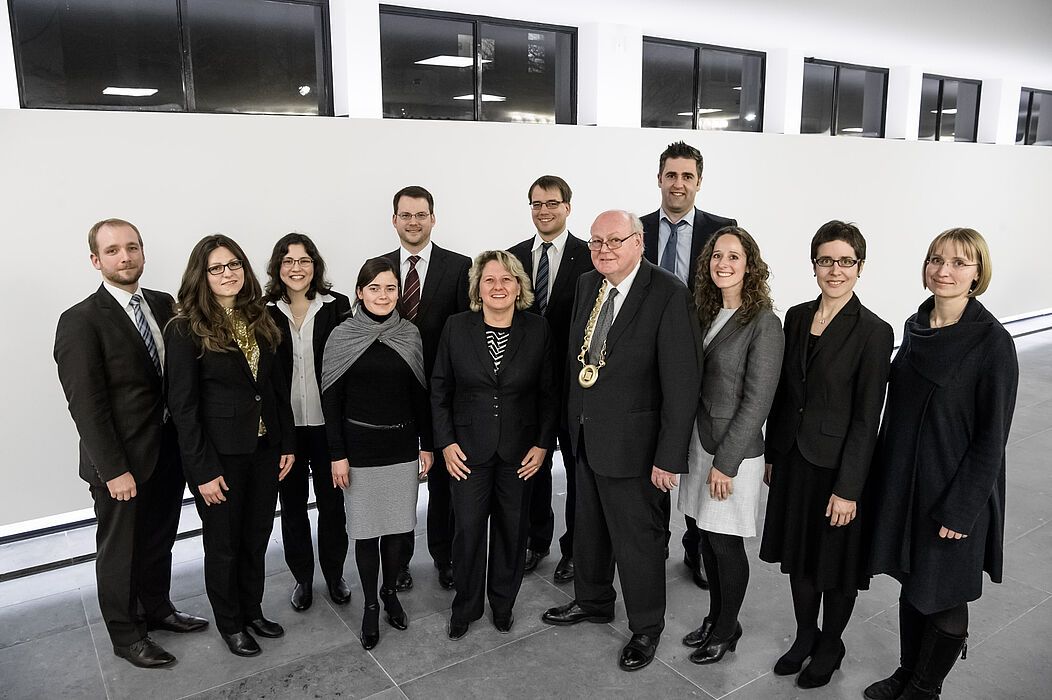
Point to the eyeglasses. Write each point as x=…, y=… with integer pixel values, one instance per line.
x=233, y=265
x=955, y=264
x=610, y=243
x=826, y=261
x=550, y=204
x=293, y=262
x=419, y=216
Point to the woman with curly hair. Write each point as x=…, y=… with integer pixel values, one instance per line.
x=230, y=403
x=742, y=345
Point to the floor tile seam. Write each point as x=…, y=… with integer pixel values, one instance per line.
x=685, y=677
x=1021, y=440
x=1011, y=622
x=1028, y=585
x=95, y=648
x=762, y=675
x=1028, y=532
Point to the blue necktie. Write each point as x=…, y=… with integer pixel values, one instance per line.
x=144, y=331
x=540, y=288
x=669, y=255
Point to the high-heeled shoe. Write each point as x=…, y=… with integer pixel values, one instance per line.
x=822, y=666
x=396, y=616
x=371, y=626
x=793, y=660
x=700, y=636
x=714, y=649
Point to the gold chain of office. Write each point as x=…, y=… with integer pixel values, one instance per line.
x=590, y=373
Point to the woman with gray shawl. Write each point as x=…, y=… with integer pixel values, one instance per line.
x=375, y=401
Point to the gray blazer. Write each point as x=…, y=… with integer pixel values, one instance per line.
x=742, y=365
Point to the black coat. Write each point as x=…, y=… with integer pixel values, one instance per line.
x=941, y=458
x=705, y=224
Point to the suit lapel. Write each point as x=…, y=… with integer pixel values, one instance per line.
x=118, y=318
x=515, y=333
x=839, y=327
x=436, y=270
x=478, y=340
x=729, y=328
x=566, y=278
x=636, y=295
x=651, y=227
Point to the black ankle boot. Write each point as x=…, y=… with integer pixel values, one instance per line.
x=824, y=662
x=938, y=653
x=396, y=616
x=793, y=660
x=891, y=687
x=371, y=626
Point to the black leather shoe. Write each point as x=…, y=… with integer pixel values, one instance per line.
x=699, y=579
x=265, y=628
x=178, y=622
x=302, y=597
x=145, y=653
x=571, y=614
x=241, y=643
x=456, y=630
x=700, y=636
x=404, y=580
x=638, y=653
x=396, y=616
x=445, y=575
x=371, y=626
x=793, y=660
x=821, y=668
x=564, y=570
x=340, y=592
x=503, y=623
x=714, y=649
x=533, y=558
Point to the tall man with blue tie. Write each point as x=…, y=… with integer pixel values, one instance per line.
x=110, y=355
x=673, y=237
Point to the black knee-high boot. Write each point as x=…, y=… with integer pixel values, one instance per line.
x=938, y=653
x=911, y=631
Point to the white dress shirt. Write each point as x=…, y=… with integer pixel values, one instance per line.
x=421, y=265
x=124, y=300
x=555, y=256
x=306, y=396
x=622, y=290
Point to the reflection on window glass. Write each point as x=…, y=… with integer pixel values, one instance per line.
x=520, y=74
x=929, y=109
x=1031, y=130
x=730, y=90
x=668, y=85
x=843, y=100
x=949, y=109
x=427, y=67
x=816, y=110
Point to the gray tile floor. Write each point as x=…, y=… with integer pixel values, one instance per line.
x=54, y=645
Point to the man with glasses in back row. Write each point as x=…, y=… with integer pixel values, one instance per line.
x=554, y=259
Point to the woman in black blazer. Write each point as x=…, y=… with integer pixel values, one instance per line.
x=305, y=309
x=821, y=432
x=493, y=407
x=230, y=404
x=938, y=498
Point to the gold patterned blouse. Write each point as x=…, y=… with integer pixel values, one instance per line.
x=246, y=340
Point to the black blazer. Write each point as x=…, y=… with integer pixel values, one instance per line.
x=576, y=261
x=115, y=395
x=829, y=403
x=640, y=412
x=328, y=317
x=705, y=224
x=486, y=413
x=445, y=293
x=216, y=404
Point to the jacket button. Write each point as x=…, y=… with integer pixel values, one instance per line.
x=258, y=397
x=799, y=410
x=496, y=415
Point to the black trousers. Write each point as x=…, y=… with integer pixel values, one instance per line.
x=235, y=535
x=620, y=520
x=542, y=517
x=133, y=567
x=439, y=514
x=312, y=460
x=493, y=493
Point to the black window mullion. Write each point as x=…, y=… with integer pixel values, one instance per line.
x=833, y=117
x=184, y=47
x=477, y=31
x=938, y=111
x=1027, y=141
x=697, y=88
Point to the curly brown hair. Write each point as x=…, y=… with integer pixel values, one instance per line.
x=205, y=316
x=756, y=293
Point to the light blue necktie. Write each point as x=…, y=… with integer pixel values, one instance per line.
x=144, y=331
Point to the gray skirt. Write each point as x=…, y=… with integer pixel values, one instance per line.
x=381, y=500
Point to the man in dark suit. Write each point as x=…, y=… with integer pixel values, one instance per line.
x=631, y=403
x=434, y=283
x=553, y=259
x=110, y=352
x=673, y=237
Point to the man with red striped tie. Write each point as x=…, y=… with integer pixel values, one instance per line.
x=434, y=285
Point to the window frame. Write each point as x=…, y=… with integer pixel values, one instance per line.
x=938, y=103
x=326, y=106
x=476, y=39
x=1031, y=92
x=696, y=84
x=834, y=122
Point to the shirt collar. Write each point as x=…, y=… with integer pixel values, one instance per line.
x=123, y=298
x=688, y=218
x=626, y=283
x=424, y=254
x=559, y=242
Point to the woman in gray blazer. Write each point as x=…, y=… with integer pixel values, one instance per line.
x=743, y=343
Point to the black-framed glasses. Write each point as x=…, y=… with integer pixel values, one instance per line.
x=218, y=269
x=610, y=243
x=550, y=204
x=419, y=216
x=826, y=261
x=955, y=264
x=293, y=262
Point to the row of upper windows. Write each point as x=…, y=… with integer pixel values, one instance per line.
x=274, y=57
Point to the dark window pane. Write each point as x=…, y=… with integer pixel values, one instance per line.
x=427, y=67
x=1041, y=130
x=967, y=111
x=668, y=85
x=816, y=112
x=729, y=91
x=860, y=102
x=257, y=56
x=522, y=72
x=96, y=52
x=929, y=109
x=1024, y=108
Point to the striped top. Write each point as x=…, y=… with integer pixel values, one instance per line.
x=497, y=340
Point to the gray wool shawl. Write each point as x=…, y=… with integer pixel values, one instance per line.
x=349, y=340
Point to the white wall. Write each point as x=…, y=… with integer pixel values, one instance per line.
x=179, y=177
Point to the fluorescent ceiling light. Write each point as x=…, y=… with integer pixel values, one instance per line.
x=750, y=117
x=951, y=110
x=736, y=87
x=485, y=98
x=130, y=91
x=852, y=130
x=304, y=90
x=450, y=61
x=703, y=110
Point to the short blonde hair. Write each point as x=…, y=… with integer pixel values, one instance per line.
x=510, y=263
x=974, y=245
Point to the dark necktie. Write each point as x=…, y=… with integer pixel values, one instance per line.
x=669, y=255
x=144, y=331
x=411, y=298
x=540, y=288
x=602, y=327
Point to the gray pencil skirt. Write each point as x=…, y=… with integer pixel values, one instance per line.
x=381, y=500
